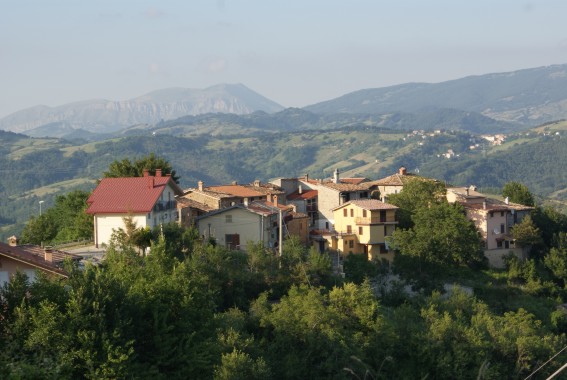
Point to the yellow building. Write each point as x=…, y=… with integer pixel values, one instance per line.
x=361, y=227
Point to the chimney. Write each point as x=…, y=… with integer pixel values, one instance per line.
x=158, y=172
x=403, y=170
x=48, y=254
x=234, y=183
x=306, y=177
x=467, y=191
x=146, y=173
x=484, y=205
x=200, y=185
x=150, y=182
x=257, y=183
x=12, y=241
x=275, y=200
x=507, y=200
x=336, y=176
x=300, y=189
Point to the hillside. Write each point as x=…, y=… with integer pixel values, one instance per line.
x=530, y=97
x=38, y=169
x=107, y=116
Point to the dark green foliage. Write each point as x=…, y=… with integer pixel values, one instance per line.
x=518, y=193
x=65, y=221
x=151, y=162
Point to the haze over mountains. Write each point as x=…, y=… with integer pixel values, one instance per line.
x=502, y=101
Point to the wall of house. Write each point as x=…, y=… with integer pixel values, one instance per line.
x=242, y=222
x=299, y=227
x=496, y=256
x=9, y=267
x=387, y=190
x=105, y=223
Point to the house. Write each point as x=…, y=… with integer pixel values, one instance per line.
x=233, y=227
x=362, y=226
x=305, y=202
x=223, y=196
x=148, y=200
x=394, y=183
x=28, y=259
x=494, y=219
x=330, y=194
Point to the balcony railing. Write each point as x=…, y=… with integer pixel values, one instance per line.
x=165, y=205
x=374, y=220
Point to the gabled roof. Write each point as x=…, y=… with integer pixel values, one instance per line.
x=343, y=186
x=128, y=194
x=186, y=202
x=254, y=208
x=305, y=194
x=354, y=180
x=368, y=204
x=235, y=190
x=491, y=204
x=35, y=256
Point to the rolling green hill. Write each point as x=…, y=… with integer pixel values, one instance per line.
x=39, y=169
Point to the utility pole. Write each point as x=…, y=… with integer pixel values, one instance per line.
x=280, y=237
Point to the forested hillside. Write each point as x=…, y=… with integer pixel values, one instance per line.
x=39, y=169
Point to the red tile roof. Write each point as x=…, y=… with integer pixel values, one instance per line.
x=354, y=181
x=235, y=190
x=35, y=256
x=305, y=194
x=128, y=194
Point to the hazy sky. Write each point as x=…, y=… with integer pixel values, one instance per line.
x=295, y=52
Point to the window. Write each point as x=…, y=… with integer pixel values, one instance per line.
x=349, y=229
x=345, y=212
x=382, y=216
x=351, y=243
x=499, y=243
x=228, y=218
x=502, y=228
x=385, y=231
x=501, y=213
x=351, y=212
x=360, y=230
x=364, y=213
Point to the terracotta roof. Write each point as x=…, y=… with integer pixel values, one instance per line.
x=35, y=256
x=369, y=204
x=185, y=202
x=462, y=191
x=305, y=194
x=396, y=179
x=265, y=188
x=354, y=181
x=343, y=186
x=128, y=194
x=496, y=205
x=235, y=190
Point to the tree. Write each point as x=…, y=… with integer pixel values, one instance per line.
x=518, y=193
x=441, y=234
x=526, y=233
x=416, y=194
x=126, y=168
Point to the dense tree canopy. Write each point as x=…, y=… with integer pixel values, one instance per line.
x=151, y=162
x=518, y=193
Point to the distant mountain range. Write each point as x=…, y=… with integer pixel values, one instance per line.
x=529, y=97
x=479, y=104
x=104, y=116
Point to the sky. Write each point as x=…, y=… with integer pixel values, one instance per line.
x=294, y=52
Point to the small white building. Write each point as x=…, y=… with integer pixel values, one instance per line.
x=148, y=200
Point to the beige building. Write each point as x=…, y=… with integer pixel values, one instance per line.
x=394, y=183
x=494, y=219
x=361, y=227
x=235, y=226
x=29, y=259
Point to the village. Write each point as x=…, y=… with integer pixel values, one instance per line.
x=338, y=216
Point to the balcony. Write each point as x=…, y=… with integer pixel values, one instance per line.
x=165, y=205
x=374, y=220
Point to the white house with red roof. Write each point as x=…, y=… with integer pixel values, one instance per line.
x=148, y=200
